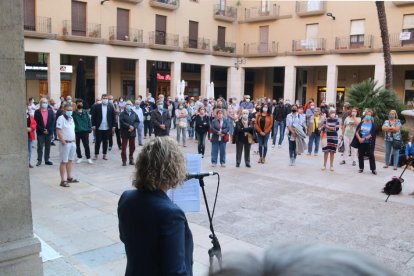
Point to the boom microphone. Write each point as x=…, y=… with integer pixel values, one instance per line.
x=199, y=175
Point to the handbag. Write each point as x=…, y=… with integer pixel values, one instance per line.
x=396, y=144
x=250, y=139
x=225, y=138
x=324, y=139
x=341, y=146
x=182, y=124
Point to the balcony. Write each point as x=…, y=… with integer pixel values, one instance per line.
x=259, y=14
x=403, y=3
x=354, y=44
x=40, y=28
x=310, y=8
x=227, y=14
x=165, y=4
x=314, y=46
x=133, y=38
x=163, y=41
x=130, y=1
x=260, y=49
x=197, y=46
x=89, y=34
x=227, y=49
x=402, y=43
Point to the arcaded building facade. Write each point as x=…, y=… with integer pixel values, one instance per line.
x=284, y=49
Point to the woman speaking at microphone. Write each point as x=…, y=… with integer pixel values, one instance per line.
x=154, y=230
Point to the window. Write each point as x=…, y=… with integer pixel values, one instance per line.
x=122, y=26
x=264, y=39
x=264, y=6
x=78, y=18
x=160, y=29
x=314, y=5
x=221, y=37
x=29, y=15
x=357, y=33
x=193, y=34
x=408, y=26
x=42, y=58
x=312, y=33
x=222, y=5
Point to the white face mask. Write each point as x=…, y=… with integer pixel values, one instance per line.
x=247, y=100
x=354, y=113
x=265, y=109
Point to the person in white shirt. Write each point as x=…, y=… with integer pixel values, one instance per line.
x=65, y=128
x=138, y=110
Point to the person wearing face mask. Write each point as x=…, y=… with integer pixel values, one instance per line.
x=148, y=108
x=65, y=128
x=392, y=139
x=294, y=125
x=309, y=113
x=117, y=109
x=202, y=124
x=264, y=122
x=246, y=103
x=181, y=115
x=232, y=111
x=103, y=125
x=364, y=140
x=279, y=124
x=161, y=120
x=348, y=132
x=331, y=127
x=45, y=119
x=83, y=127
x=191, y=110
x=219, y=138
x=121, y=103
x=138, y=110
x=128, y=120
x=314, y=131
x=244, y=127
x=31, y=128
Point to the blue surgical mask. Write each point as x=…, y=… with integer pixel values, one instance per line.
x=104, y=101
x=69, y=113
x=160, y=107
x=368, y=117
x=392, y=116
x=245, y=116
x=44, y=105
x=128, y=107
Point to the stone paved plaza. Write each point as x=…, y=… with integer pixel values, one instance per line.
x=257, y=207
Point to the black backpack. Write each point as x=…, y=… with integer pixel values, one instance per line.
x=394, y=186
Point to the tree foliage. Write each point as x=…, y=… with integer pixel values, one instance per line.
x=368, y=94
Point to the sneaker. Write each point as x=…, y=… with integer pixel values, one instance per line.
x=273, y=146
x=360, y=171
x=342, y=162
x=79, y=161
x=323, y=168
x=279, y=146
x=291, y=162
x=331, y=169
x=38, y=163
x=315, y=154
x=309, y=154
x=90, y=161
x=50, y=163
x=213, y=165
x=95, y=157
x=223, y=165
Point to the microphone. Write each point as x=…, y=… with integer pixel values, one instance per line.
x=199, y=175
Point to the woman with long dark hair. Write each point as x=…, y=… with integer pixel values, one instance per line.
x=264, y=123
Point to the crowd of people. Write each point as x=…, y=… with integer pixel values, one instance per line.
x=248, y=124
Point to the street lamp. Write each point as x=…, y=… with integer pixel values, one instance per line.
x=238, y=62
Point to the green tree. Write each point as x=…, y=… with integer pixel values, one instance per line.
x=368, y=94
x=382, y=18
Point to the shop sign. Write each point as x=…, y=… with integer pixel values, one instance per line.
x=405, y=36
x=66, y=68
x=166, y=77
x=62, y=68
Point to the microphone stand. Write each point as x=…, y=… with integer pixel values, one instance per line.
x=215, y=251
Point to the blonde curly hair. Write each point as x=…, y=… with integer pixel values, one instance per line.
x=160, y=164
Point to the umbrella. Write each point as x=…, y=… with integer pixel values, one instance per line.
x=212, y=90
x=153, y=81
x=178, y=89
x=208, y=91
x=182, y=88
x=80, y=90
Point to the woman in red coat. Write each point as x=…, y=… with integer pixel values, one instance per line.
x=31, y=127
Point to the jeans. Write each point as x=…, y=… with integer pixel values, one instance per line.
x=147, y=128
x=190, y=131
x=388, y=150
x=201, y=138
x=102, y=136
x=84, y=136
x=282, y=126
x=131, y=142
x=215, y=147
x=292, y=149
x=366, y=149
x=29, y=148
x=263, y=144
x=139, y=133
x=347, y=147
x=179, y=131
x=43, y=140
x=314, y=138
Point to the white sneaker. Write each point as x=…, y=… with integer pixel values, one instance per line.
x=90, y=161
x=79, y=161
x=279, y=146
x=273, y=146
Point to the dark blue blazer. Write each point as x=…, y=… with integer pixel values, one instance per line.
x=156, y=235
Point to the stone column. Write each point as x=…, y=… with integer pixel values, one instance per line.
x=141, y=78
x=379, y=74
x=19, y=250
x=175, y=77
x=235, y=83
x=290, y=83
x=331, y=84
x=205, y=79
x=53, y=76
x=100, y=76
